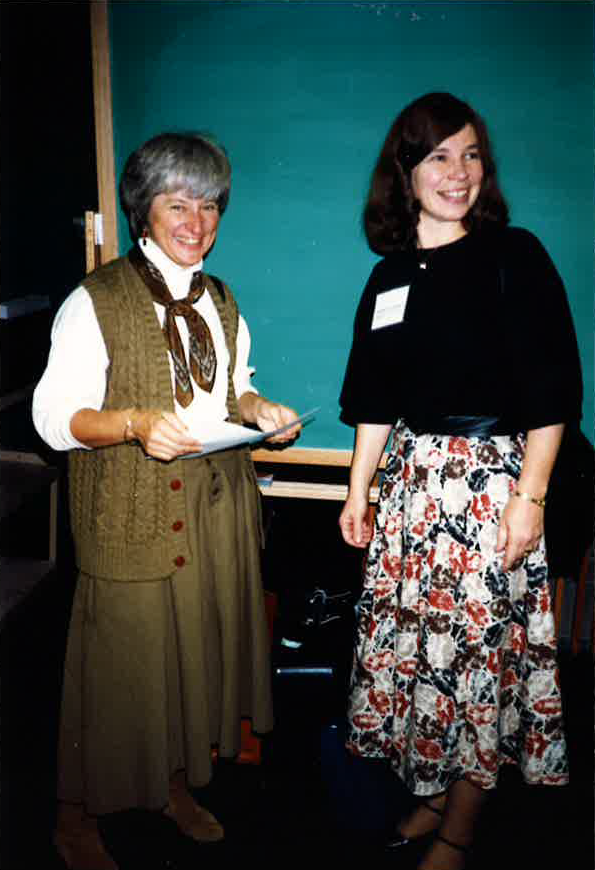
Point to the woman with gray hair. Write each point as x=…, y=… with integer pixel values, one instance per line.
x=168, y=645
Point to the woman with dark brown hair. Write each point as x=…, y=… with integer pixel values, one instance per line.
x=464, y=348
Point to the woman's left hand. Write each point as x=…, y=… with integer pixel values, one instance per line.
x=520, y=531
x=270, y=416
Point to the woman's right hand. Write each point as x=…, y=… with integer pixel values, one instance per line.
x=161, y=434
x=354, y=522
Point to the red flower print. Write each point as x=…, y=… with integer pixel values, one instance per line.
x=535, y=744
x=402, y=704
x=445, y=710
x=384, y=586
x=518, y=639
x=392, y=565
x=407, y=667
x=478, y=613
x=431, y=512
x=488, y=758
x=482, y=507
x=413, y=566
x=548, y=706
x=380, y=701
x=441, y=600
x=544, y=601
x=458, y=558
x=380, y=661
x=509, y=678
x=418, y=529
x=366, y=721
x=482, y=714
x=494, y=662
x=428, y=748
x=473, y=637
x=459, y=446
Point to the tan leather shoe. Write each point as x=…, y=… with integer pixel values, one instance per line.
x=78, y=842
x=193, y=820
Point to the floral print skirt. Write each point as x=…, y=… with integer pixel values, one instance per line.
x=455, y=660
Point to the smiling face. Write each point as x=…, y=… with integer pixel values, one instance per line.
x=447, y=183
x=184, y=228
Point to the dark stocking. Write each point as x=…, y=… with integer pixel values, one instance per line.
x=423, y=819
x=463, y=805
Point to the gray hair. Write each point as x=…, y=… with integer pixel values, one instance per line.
x=192, y=162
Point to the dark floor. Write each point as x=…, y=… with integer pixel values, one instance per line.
x=307, y=800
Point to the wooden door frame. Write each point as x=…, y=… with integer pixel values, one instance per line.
x=104, y=130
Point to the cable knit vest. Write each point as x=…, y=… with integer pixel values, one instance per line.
x=122, y=503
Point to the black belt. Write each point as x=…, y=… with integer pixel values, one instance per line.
x=463, y=426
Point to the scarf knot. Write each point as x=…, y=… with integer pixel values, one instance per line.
x=201, y=350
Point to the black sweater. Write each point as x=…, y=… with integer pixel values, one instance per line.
x=486, y=331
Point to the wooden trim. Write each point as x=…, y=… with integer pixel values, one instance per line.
x=104, y=133
x=89, y=241
x=306, y=456
x=312, y=457
x=316, y=491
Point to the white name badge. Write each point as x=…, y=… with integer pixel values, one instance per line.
x=390, y=307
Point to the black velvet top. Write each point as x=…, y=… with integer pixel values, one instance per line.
x=486, y=331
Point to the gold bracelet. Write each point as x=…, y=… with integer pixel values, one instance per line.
x=540, y=502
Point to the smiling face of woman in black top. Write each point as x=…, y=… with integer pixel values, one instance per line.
x=446, y=185
x=392, y=211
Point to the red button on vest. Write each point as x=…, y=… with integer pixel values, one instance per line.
x=177, y=525
x=176, y=484
x=179, y=561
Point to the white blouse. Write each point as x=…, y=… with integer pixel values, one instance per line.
x=75, y=376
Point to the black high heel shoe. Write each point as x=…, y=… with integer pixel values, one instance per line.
x=398, y=839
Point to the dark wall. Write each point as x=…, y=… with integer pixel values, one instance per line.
x=48, y=145
x=48, y=179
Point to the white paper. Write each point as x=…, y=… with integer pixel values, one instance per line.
x=221, y=436
x=390, y=307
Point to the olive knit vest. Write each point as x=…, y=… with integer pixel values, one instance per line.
x=122, y=503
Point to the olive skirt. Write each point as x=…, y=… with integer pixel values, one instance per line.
x=157, y=673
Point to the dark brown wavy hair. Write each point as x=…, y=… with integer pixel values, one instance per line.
x=392, y=211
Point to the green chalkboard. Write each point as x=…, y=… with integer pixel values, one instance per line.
x=301, y=94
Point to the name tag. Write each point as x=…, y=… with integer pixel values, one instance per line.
x=390, y=307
